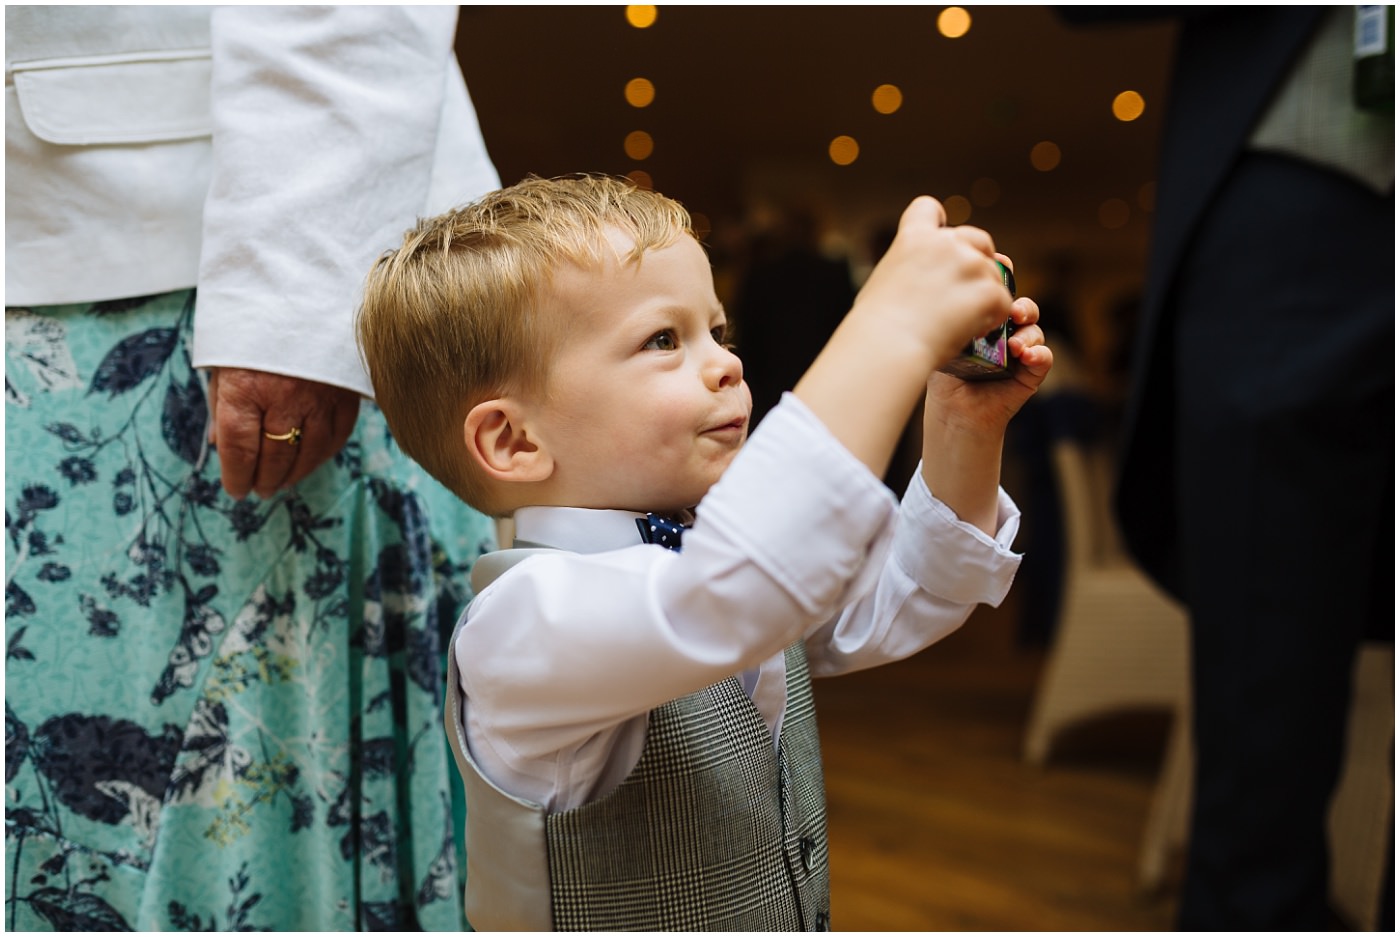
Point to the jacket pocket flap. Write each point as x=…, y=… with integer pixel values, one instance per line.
x=116, y=99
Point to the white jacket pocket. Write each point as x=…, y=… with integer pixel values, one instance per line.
x=116, y=99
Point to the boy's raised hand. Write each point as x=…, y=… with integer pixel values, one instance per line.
x=937, y=287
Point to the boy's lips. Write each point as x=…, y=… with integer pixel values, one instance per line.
x=735, y=425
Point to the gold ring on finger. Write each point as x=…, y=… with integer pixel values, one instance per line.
x=291, y=437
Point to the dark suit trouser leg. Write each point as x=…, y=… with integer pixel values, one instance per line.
x=1284, y=378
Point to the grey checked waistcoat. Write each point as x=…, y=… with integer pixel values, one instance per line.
x=712, y=830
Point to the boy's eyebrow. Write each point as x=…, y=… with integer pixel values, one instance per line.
x=672, y=310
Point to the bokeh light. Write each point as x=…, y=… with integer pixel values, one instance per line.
x=1114, y=213
x=638, y=144
x=1045, y=156
x=639, y=92
x=957, y=208
x=1128, y=105
x=843, y=150
x=641, y=16
x=954, y=22
x=887, y=99
x=641, y=179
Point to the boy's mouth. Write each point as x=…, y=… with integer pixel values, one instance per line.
x=735, y=425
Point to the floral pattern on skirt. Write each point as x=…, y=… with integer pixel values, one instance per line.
x=219, y=714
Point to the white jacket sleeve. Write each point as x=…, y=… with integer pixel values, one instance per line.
x=328, y=122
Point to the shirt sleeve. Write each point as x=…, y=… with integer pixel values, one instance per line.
x=939, y=570
x=326, y=126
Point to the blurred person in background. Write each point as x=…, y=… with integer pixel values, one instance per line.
x=789, y=300
x=1258, y=471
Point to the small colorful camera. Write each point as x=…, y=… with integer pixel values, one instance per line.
x=989, y=357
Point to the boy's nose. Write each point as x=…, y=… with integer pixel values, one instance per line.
x=723, y=369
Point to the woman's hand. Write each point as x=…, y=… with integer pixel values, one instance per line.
x=245, y=406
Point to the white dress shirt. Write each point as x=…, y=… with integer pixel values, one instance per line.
x=563, y=655
x=266, y=154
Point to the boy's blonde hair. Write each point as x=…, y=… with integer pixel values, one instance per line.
x=452, y=317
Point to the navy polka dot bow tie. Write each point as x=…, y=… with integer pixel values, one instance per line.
x=660, y=530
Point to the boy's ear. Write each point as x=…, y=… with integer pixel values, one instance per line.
x=499, y=442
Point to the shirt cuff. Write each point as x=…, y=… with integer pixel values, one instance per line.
x=951, y=558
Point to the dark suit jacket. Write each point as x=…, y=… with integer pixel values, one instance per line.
x=1229, y=61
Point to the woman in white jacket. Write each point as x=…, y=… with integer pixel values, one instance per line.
x=223, y=711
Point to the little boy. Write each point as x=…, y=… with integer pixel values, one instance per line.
x=633, y=721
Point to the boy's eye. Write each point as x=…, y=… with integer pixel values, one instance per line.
x=720, y=334
x=662, y=341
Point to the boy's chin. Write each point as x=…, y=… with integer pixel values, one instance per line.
x=678, y=495
x=679, y=502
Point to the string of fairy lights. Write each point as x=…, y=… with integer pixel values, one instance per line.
x=844, y=149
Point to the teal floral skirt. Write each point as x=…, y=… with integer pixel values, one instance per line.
x=219, y=715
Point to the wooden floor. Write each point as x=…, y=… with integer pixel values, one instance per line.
x=937, y=824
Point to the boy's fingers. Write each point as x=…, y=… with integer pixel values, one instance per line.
x=1035, y=364
x=1025, y=311
x=977, y=237
x=1026, y=336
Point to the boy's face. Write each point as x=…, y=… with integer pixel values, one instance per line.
x=645, y=407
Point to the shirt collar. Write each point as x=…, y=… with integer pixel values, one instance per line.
x=580, y=530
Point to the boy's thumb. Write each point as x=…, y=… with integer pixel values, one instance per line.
x=924, y=210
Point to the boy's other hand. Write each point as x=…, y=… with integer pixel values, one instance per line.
x=988, y=406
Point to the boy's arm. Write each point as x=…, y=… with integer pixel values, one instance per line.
x=965, y=424
x=934, y=290
x=939, y=570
